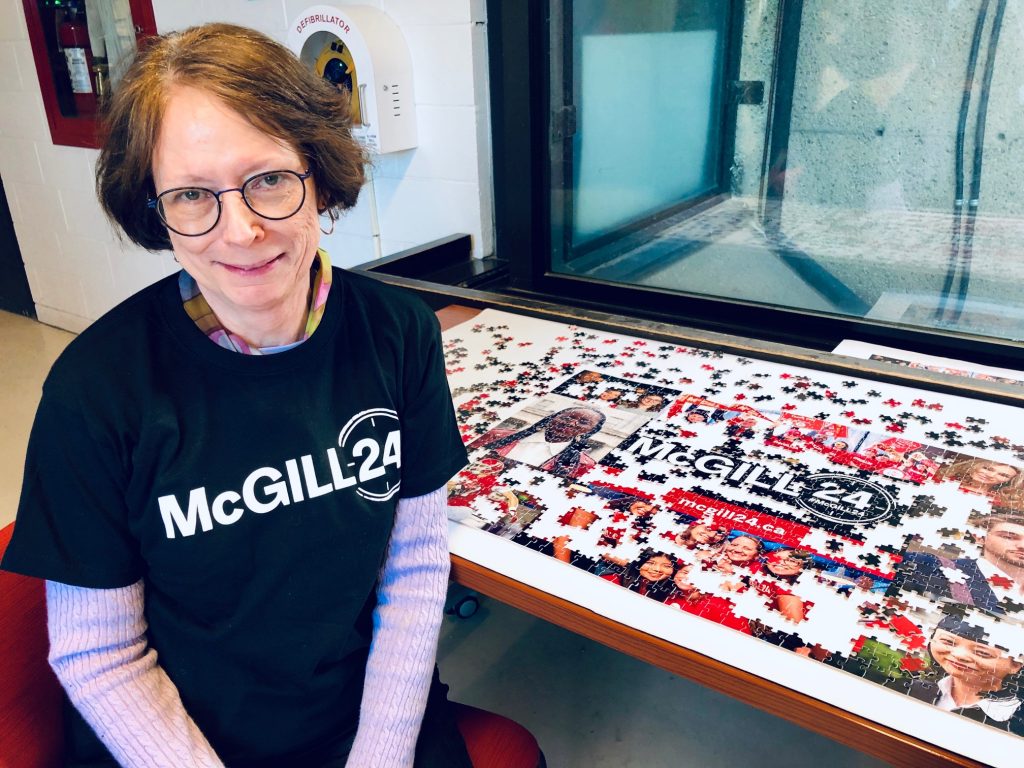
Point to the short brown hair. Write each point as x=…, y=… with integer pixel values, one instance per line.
x=254, y=75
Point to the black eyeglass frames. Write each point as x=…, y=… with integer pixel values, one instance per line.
x=194, y=211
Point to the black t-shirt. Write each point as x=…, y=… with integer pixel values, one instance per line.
x=253, y=494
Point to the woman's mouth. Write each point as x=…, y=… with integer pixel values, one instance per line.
x=252, y=270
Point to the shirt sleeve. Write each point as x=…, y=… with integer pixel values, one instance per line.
x=406, y=623
x=99, y=652
x=432, y=449
x=72, y=523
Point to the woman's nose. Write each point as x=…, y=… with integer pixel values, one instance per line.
x=241, y=225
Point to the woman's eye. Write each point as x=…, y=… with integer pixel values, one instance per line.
x=190, y=195
x=268, y=180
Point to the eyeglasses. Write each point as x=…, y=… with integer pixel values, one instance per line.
x=194, y=211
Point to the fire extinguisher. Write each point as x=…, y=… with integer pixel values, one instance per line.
x=73, y=36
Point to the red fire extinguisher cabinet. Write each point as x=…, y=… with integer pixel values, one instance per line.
x=64, y=65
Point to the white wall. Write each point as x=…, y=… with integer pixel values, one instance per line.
x=77, y=268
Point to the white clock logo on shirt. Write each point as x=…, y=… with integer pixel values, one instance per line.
x=371, y=444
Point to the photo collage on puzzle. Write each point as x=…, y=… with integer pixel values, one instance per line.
x=895, y=559
x=966, y=372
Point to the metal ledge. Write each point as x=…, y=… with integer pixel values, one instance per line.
x=438, y=295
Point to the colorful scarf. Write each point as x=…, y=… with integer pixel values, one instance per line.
x=199, y=310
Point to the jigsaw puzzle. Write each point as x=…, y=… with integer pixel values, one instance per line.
x=864, y=526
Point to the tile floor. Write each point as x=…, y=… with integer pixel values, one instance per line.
x=27, y=349
x=588, y=705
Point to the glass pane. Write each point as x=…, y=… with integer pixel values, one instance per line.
x=90, y=44
x=876, y=177
x=642, y=85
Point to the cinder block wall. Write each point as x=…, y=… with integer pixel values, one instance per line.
x=77, y=268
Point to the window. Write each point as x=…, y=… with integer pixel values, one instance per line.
x=638, y=131
x=802, y=169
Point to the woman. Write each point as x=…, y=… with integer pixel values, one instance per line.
x=631, y=505
x=701, y=535
x=784, y=566
x=738, y=554
x=651, y=402
x=1003, y=482
x=235, y=480
x=650, y=575
x=981, y=681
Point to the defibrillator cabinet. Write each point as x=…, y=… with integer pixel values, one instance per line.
x=362, y=50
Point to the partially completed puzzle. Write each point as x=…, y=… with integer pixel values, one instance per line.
x=865, y=526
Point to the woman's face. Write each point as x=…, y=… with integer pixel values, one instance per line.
x=992, y=473
x=704, y=534
x=610, y=394
x=782, y=563
x=246, y=264
x=682, y=579
x=740, y=550
x=651, y=401
x=976, y=664
x=656, y=568
x=695, y=417
x=641, y=508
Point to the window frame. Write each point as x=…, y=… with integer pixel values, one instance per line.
x=563, y=128
x=520, y=122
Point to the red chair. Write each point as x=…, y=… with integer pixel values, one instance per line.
x=31, y=721
x=494, y=741
x=31, y=725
